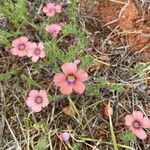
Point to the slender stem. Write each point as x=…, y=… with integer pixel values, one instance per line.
x=73, y=105
x=112, y=132
x=100, y=61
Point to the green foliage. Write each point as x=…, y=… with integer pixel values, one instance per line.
x=127, y=137
x=15, y=12
x=7, y=75
x=5, y=36
x=41, y=125
x=27, y=122
x=54, y=97
x=73, y=12
x=142, y=69
x=104, y=83
x=55, y=54
x=41, y=144
x=30, y=81
x=76, y=146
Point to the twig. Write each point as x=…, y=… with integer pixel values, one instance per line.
x=12, y=133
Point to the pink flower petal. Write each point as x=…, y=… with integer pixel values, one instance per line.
x=42, y=54
x=16, y=42
x=138, y=115
x=50, y=5
x=35, y=58
x=41, y=45
x=69, y=68
x=140, y=133
x=146, y=122
x=45, y=9
x=58, y=8
x=14, y=51
x=79, y=87
x=43, y=94
x=36, y=108
x=29, y=53
x=65, y=88
x=82, y=75
x=22, y=53
x=33, y=93
x=24, y=39
x=128, y=120
x=50, y=14
x=30, y=102
x=59, y=79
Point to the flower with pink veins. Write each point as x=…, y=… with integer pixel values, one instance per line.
x=20, y=46
x=54, y=29
x=136, y=122
x=37, y=100
x=64, y=137
x=36, y=51
x=71, y=79
x=51, y=9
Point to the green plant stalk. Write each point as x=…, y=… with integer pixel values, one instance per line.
x=112, y=132
x=74, y=107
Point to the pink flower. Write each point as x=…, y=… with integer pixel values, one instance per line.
x=50, y=9
x=20, y=46
x=77, y=62
x=53, y=29
x=71, y=79
x=36, y=51
x=136, y=122
x=37, y=100
x=108, y=110
x=64, y=137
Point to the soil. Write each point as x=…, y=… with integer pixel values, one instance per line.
x=132, y=20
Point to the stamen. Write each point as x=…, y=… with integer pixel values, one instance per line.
x=71, y=78
x=39, y=100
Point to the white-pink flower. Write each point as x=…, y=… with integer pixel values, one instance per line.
x=51, y=9
x=37, y=100
x=36, y=51
x=20, y=46
x=53, y=29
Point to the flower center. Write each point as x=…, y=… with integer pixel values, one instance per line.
x=71, y=78
x=136, y=125
x=39, y=100
x=52, y=10
x=37, y=51
x=22, y=47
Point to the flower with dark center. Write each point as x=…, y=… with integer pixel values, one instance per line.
x=71, y=79
x=53, y=29
x=51, y=9
x=136, y=122
x=36, y=51
x=37, y=100
x=20, y=46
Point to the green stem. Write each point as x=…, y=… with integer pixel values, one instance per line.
x=73, y=105
x=112, y=132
